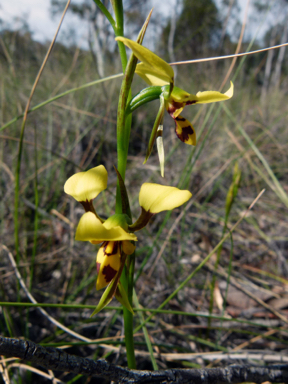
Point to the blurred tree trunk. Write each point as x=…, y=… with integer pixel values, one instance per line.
x=268, y=66
x=97, y=39
x=172, y=35
x=275, y=81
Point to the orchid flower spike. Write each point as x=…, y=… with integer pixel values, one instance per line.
x=116, y=233
x=160, y=77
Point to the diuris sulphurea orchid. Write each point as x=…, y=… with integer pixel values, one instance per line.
x=160, y=76
x=117, y=232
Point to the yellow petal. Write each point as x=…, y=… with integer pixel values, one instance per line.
x=185, y=130
x=128, y=247
x=211, y=96
x=149, y=76
x=108, y=262
x=91, y=229
x=157, y=198
x=158, y=66
x=87, y=185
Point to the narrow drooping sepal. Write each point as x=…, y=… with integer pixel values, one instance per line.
x=85, y=186
x=110, y=291
x=91, y=229
x=160, y=148
x=158, y=121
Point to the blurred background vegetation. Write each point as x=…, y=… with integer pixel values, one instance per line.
x=78, y=131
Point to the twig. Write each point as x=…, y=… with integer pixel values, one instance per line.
x=34, y=370
x=56, y=359
x=31, y=298
x=229, y=56
x=237, y=48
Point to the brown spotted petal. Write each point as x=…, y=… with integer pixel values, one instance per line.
x=108, y=262
x=111, y=290
x=184, y=130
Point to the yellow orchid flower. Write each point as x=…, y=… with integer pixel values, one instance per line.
x=116, y=233
x=114, y=238
x=160, y=76
x=84, y=187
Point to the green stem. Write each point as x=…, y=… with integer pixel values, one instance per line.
x=119, y=30
x=128, y=324
x=34, y=249
x=108, y=15
x=16, y=202
x=123, y=136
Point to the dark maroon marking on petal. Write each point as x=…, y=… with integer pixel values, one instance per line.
x=186, y=132
x=179, y=118
x=86, y=205
x=104, y=246
x=98, y=265
x=174, y=106
x=109, y=273
x=191, y=102
x=114, y=249
x=159, y=133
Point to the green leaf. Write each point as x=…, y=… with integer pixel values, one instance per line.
x=122, y=297
x=124, y=196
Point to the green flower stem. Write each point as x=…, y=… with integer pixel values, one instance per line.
x=108, y=15
x=128, y=323
x=119, y=16
x=36, y=218
x=124, y=125
x=123, y=137
x=124, y=121
x=16, y=202
x=119, y=30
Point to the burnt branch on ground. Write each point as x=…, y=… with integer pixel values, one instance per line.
x=56, y=359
